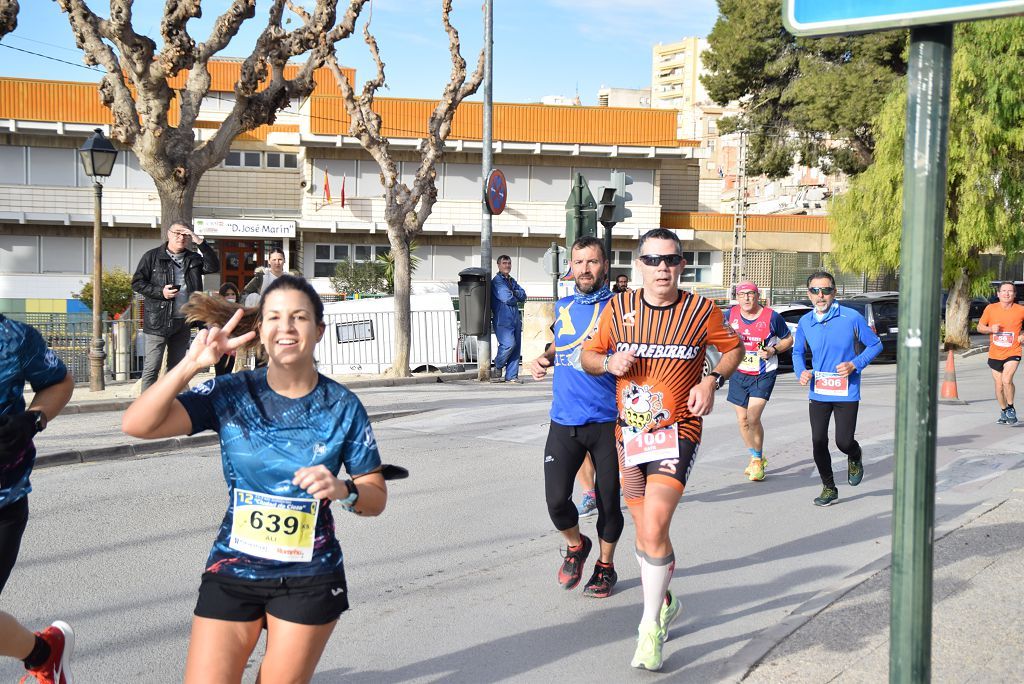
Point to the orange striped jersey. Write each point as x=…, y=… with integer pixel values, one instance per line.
x=669, y=344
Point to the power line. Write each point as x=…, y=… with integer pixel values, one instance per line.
x=55, y=59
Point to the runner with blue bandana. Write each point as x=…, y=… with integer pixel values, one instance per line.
x=582, y=421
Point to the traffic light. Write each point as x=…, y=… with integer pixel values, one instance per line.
x=611, y=205
x=620, y=181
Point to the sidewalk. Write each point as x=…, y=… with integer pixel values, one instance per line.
x=976, y=617
x=64, y=449
x=118, y=395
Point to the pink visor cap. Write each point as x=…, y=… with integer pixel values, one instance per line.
x=746, y=286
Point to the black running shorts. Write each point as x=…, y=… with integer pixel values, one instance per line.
x=997, y=364
x=673, y=472
x=13, y=519
x=303, y=600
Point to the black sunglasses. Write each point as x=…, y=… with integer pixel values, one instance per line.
x=655, y=259
x=821, y=290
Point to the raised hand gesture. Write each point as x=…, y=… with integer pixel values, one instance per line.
x=212, y=343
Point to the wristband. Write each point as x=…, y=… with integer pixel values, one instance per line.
x=349, y=502
x=604, y=364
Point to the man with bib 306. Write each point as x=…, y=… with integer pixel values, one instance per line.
x=765, y=335
x=1002, y=321
x=659, y=335
x=831, y=331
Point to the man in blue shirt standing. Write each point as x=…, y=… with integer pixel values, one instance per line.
x=508, y=325
x=831, y=331
x=583, y=413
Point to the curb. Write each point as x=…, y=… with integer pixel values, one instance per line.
x=758, y=648
x=157, y=446
x=973, y=351
x=102, y=405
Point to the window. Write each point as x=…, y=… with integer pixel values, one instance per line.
x=282, y=160
x=354, y=331
x=326, y=257
x=247, y=160
x=698, y=267
x=363, y=253
x=622, y=257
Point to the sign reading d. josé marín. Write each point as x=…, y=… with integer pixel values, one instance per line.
x=824, y=17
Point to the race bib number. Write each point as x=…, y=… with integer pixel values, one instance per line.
x=751, y=363
x=273, y=527
x=1003, y=339
x=656, y=445
x=832, y=384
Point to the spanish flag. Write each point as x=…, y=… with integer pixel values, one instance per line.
x=327, y=188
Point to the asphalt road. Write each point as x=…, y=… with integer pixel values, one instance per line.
x=456, y=581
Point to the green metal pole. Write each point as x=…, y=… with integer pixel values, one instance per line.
x=577, y=216
x=924, y=203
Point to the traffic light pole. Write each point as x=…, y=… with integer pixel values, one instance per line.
x=608, y=239
x=924, y=210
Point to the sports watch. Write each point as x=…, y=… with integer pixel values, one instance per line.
x=719, y=380
x=353, y=495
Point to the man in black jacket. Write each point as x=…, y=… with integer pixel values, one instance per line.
x=167, y=275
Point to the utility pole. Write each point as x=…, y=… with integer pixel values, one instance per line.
x=483, y=344
x=739, y=220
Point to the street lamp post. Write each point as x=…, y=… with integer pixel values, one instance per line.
x=98, y=156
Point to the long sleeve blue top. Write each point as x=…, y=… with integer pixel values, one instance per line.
x=831, y=341
x=505, y=297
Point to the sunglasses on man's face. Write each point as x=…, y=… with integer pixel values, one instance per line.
x=655, y=259
x=821, y=290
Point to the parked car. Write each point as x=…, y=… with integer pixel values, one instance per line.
x=976, y=307
x=791, y=314
x=881, y=310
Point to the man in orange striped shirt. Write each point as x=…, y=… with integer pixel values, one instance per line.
x=653, y=340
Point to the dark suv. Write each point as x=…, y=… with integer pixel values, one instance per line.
x=881, y=310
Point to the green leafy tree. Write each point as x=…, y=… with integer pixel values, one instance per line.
x=363, y=277
x=803, y=99
x=387, y=259
x=116, y=289
x=985, y=184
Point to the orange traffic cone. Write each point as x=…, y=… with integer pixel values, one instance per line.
x=948, y=395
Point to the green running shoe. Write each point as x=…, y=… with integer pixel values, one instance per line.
x=648, y=647
x=827, y=498
x=854, y=472
x=669, y=612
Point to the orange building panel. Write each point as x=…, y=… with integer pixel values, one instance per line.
x=36, y=100
x=756, y=223
x=224, y=75
x=407, y=118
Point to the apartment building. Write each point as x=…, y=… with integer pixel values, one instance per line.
x=305, y=185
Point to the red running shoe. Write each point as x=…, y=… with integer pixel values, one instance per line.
x=601, y=582
x=61, y=639
x=572, y=567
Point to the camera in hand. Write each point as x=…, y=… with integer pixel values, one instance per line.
x=174, y=288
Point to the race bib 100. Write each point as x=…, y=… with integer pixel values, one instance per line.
x=832, y=384
x=655, y=445
x=273, y=527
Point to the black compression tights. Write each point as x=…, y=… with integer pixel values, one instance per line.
x=845, y=413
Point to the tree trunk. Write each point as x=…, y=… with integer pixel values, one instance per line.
x=403, y=289
x=957, y=308
x=176, y=200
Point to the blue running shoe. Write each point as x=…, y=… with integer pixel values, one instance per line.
x=588, y=504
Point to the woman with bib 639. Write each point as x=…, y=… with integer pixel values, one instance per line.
x=285, y=433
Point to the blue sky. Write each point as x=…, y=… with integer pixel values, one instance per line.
x=541, y=47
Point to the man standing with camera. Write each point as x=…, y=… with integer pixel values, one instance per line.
x=167, y=276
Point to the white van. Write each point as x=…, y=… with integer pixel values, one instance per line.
x=360, y=335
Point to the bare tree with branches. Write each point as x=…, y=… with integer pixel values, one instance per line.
x=138, y=91
x=8, y=16
x=406, y=209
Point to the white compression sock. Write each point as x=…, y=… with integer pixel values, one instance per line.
x=655, y=575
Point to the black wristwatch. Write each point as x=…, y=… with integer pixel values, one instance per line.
x=40, y=420
x=719, y=380
x=353, y=495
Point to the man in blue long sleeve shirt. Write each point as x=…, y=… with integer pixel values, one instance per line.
x=831, y=331
x=508, y=326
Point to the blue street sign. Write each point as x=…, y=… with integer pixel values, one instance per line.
x=824, y=17
x=496, y=192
